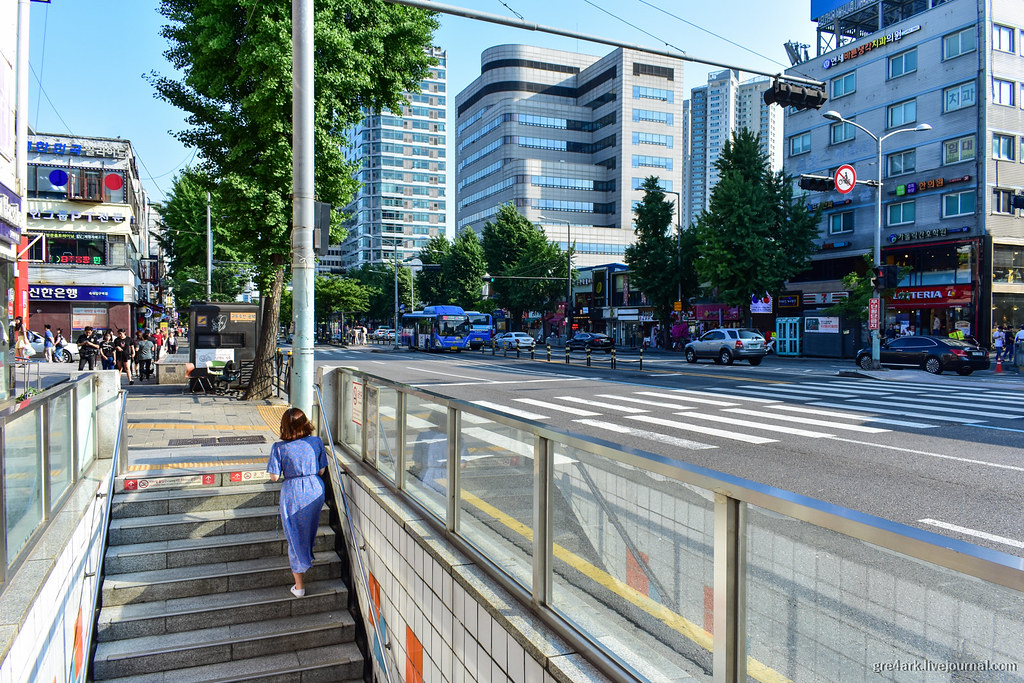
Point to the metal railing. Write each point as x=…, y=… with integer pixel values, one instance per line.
x=382, y=652
x=750, y=580
x=283, y=372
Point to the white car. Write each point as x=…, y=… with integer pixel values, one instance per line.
x=66, y=354
x=514, y=340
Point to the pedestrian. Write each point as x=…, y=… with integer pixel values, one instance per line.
x=87, y=350
x=158, y=343
x=999, y=342
x=172, y=341
x=48, y=344
x=145, y=349
x=1018, y=345
x=123, y=352
x=22, y=347
x=299, y=457
x=135, y=347
x=107, y=350
x=59, y=342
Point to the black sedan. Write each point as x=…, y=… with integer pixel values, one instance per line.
x=933, y=354
x=590, y=340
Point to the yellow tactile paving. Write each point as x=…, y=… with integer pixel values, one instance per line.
x=210, y=463
x=272, y=416
x=160, y=425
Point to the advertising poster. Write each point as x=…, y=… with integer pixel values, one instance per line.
x=826, y=325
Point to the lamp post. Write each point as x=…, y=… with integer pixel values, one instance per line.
x=568, y=272
x=209, y=249
x=832, y=115
x=679, y=243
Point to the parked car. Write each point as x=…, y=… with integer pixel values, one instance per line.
x=590, y=340
x=66, y=354
x=724, y=345
x=933, y=354
x=381, y=333
x=514, y=340
x=390, y=336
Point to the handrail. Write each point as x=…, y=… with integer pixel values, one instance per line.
x=385, y=645
x=104, y=520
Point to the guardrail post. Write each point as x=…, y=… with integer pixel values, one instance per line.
x=549, y=352
x=518, y=351
x=494, y=348
x=543, y=504
x=588, y=356
x=641, y=358
x=400, y=438
x=613, y=359
x=533, y=349
x=454, y=465
x=729, y=593
x=566, y=354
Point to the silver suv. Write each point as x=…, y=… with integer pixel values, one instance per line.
x=725, y=345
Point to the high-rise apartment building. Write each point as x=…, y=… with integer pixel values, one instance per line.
x=568, y=139
x=401, y=203
x=716, y=110
x=948, y=193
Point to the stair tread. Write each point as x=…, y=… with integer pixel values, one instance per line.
x=196, y=516
x=113, y=650
x=187, y=544
x=202, y=571
x=210, y=602
x=344, y=653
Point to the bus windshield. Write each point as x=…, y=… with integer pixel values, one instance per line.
x=479, y=319
x=452, y=326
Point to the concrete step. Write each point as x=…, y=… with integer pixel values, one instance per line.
x=176, y=615
x=207, y=579
x=183, y=552
x=331, y=664
x=179, y=501
x=163, y=653
x=196, y=524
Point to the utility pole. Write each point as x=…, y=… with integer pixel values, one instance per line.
x=301, y=394
x=209, y=249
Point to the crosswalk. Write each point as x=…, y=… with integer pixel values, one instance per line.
x=760, y=414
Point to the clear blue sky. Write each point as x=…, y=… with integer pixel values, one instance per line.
x=90, y=56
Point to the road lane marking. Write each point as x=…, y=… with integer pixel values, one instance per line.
x=896, y=411
x=973, y=532
x=653, y=436
x=444, y=374
x=675, y=397
x=646, y=402
x=610, y=406
x=511, y=411
x=808, y=421
x=710, y=431
x=759, y=425
x=859, y=416
x=816, y=391
x=555, y=406
x=941, y=456
x=489, y=382
x=920, y=405
x=718, y=395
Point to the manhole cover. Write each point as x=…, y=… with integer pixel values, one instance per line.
x=209, y=441
x=240, y=440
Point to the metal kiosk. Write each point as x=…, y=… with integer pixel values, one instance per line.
x=221, y=333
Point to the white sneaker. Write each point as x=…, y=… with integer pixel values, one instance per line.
x=298, y=592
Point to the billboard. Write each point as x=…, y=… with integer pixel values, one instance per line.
x=820, y=8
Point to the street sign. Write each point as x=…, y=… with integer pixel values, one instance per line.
x=874, y=310
x=401, y=308
x=846, y=179
x=677, y=305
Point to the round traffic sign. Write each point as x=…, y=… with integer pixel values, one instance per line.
x=846, y=179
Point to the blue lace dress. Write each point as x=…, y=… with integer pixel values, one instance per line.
x=302, y=495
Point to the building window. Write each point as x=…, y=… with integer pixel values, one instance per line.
x=959, y=204
x=902, y=162
x=844, y=85
x=842, y=132
x=959, y=96
x=665, y=185
x=1002, y=201
x=1003, y=147
x=959, y=43
x=652, y=139
x=640, y=92
x=955, y=151
x=901, y=214
x=656, y=162
x=902, y=64
x=840, y=222
x=1002, y=38
x=800, y=144
x=653, y=116
x=1003, y=91
x=653, y=70
x=902, y=113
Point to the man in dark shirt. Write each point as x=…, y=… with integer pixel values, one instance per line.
x=123, y=352
x=87, y=350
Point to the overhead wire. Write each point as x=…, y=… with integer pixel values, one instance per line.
x=42, y=61
x=521, y=17
x=632, y=25
x=42, y=91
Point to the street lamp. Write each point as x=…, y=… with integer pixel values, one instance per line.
x=833, y=115
x=679, y=243
x=568, y=272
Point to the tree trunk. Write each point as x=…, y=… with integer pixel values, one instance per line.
x=261, y=384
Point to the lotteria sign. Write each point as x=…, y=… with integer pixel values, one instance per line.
x=924, y=297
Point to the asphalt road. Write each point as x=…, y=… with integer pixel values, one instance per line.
x=939, y=453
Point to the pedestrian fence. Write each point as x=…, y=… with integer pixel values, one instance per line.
x=612, y=358
x=655, y=569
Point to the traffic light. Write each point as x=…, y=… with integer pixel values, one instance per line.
x=799, y=97
x=885, y=277
x=818, y=183
x=488, y=278
x=877, y=277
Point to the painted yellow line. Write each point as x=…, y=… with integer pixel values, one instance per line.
x=182, y=465
x=161, y=425
x=676, y=622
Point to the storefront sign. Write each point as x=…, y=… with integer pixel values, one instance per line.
x=836, y=245
x=58, y=148
x=90, y=148
x=831, y=204
x=243, y=316
x=83, y=317
x=891, y=37
x=925, y=234
x=789, y=301
x=930, y=184
x=930, y=297
x=825, y=297
x=64, y=216
x=10, y=215
x=761, y=304
x=712, y=312
x=75, y=293
x=828, y=325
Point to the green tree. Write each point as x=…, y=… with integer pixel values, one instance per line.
x=226, y=283
x=379, y=281
x=653, y=259
x=518, y=250
x=463, y=270
x=430, y=287
x=236, y=86
x=183, y=218
x=754, y=236
x=333, y=294
x=858, y=284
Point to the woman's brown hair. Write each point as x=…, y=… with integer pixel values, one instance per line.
x=295, y=425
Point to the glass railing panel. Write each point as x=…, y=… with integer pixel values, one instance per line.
x=426, y=448
x=350, y=420
x=386, y=431
x=23, y=480
x=496, y=494
x=633, y=564
x=60, y=437
x=85, y=424
x=824, y=606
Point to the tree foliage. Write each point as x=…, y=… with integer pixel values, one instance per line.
x=333, y=294
x=430, y=287
x=858, y=284
x=378, y=279
x=236, y=87
x=459, y=280
x=516, y=249
x=754, y=236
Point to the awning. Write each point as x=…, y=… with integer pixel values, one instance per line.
x=556, y=318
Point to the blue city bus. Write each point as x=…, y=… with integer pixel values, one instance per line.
x=436, y=328
x=481, y=329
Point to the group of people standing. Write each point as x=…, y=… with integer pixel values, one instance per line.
x=127, y=355
x=1003, y=345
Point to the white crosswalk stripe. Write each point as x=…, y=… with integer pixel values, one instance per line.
x=718, y=394
x=647, y=434
x=800, y=390
x=599, y=404
x=809, y=421
x=701, y=429
x=555, y=406
x=930, y=405
x=859, y=416
x=647, y=402
x=677, y=397
x=511, y=411
x=896, y=411
x=759, y=425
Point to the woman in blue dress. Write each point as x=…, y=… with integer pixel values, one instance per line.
x=299, y=458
